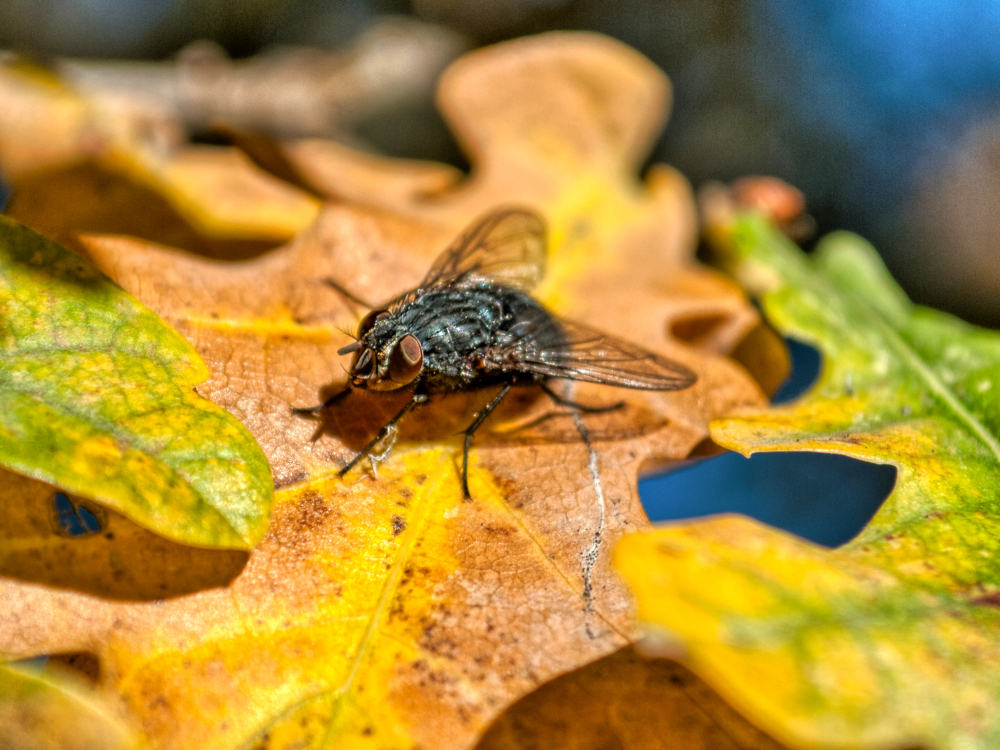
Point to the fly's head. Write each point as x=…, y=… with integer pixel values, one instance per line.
x=386, y=356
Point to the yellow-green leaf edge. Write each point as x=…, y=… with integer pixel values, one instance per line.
x=892, y=640
x=38, y=712
x=97, y=397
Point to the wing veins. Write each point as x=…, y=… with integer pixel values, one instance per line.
x=506, y=246
x=587, y=355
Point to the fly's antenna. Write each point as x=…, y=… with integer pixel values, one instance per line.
x=351, y=298
x=346, y=332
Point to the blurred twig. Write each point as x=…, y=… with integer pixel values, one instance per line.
x=287, y=92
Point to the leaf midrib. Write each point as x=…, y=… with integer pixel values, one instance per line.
x=923, y=370
x=390, y=587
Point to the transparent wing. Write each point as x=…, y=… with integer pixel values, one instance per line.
x=578, y=352
x=507, y=246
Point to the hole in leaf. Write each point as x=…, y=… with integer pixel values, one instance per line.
x=82, y=663
x=695, y=329
x=5, y=192
x=50, y=537
x=806, y=364
x=822, y=497
x=73, y=517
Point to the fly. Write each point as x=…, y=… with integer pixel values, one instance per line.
x=472, y=324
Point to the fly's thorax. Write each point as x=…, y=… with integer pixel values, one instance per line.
x=388, y=356
x=463, y=335
x=456, y=322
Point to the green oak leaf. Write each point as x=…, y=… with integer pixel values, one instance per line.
x=892, y=640
x=96, y=397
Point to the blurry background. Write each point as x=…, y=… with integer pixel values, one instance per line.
x=885, y=112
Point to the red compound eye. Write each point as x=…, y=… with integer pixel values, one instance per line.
x=406, y=360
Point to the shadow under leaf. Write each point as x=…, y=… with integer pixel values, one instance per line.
x=55, y=539
x=624, y=702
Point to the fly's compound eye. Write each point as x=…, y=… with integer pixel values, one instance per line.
x=406, y=360
x=365, y=364
x=370, y=320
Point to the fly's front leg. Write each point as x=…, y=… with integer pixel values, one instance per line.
x=413, y=403
x=574, y=405
x=472, y=431
x=347, y=294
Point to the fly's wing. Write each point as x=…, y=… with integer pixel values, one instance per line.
x=506, y=246
x=577, y=352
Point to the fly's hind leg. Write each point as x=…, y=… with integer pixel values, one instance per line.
x=574, y=405
x=413, y=403
x=472, y=431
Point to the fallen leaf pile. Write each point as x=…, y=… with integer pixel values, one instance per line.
x=377, y=611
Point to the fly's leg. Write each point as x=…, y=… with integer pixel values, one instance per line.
x=472, y=431
x=343, y=291
x=579, y=407
x=413, y=403
x=329, y=402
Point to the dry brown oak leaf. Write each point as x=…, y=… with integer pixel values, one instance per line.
x=388, y=612
x=624, y=702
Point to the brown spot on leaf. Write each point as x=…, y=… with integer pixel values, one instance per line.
x=990, y=600
x=398, y=525
x=312, y=511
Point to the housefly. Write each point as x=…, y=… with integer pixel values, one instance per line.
x=472, y=324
